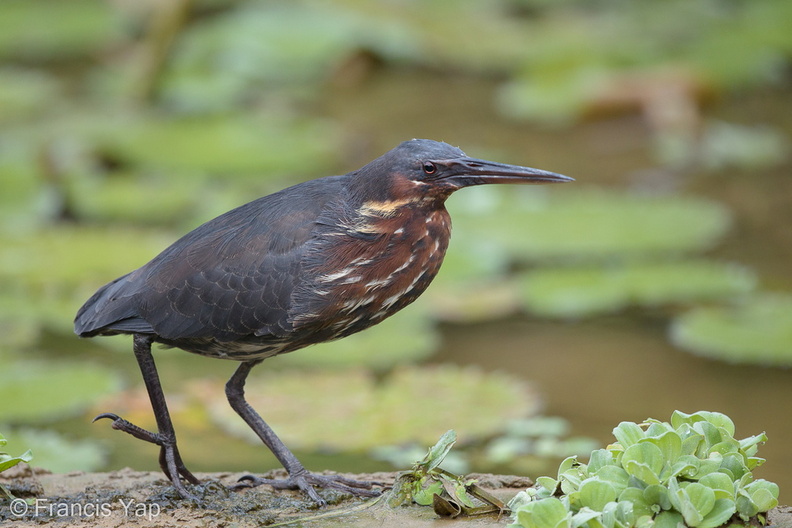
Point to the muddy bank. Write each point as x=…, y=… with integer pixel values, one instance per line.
x=146, y=499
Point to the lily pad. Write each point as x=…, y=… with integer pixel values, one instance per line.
x=586, y=291
x=36, y=392
x=406, y=337
x=83, y=255
x=137, y=200
x=25, y=201
x=349, y=411
x=47, y=30
x=25, y=93
x=758, y=330
x=54, y=452
x=470, y=285
x=261, y=145
x=44, y=277
x=539, y=224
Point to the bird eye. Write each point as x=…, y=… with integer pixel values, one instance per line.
x=429, y=167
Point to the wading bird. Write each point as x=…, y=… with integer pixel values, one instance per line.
x=314, y=262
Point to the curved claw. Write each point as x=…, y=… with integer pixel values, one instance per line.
x=111, y=416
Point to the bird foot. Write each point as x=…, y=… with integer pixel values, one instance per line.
x=307, y=482
x=170, y=460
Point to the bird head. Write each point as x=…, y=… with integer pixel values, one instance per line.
x=426, y=169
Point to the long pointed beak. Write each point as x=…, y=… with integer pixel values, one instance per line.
x=465, y=172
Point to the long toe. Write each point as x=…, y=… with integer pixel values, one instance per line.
x=308, y=482
x=120, y=424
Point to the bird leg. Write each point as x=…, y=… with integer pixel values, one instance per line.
x=299, y=477
x=170, y=461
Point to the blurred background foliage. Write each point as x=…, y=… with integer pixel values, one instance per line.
x=125, y=123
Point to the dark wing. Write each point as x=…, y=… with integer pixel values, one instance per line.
x=233, y=276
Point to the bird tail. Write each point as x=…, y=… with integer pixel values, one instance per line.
x=111, y=310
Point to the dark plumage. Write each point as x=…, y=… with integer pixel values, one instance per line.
x=314, y=262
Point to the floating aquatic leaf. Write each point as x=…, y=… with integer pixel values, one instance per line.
x=77, y=28
x=46, y=295
x=257, y=50
x=646, y=484
x=84, y=255
x=265, y=145
x=726, y=145
x=628, y=433
x=407, y=337
x=547, y=513
x=595, y=494
x=59, y=454
x=133, y=199
x=592, y=224
x=34, y=392
x=25, y=93
x=757, y=330
x=350, y=412
x=470, y=285
x=576, y=292
x=643, y=461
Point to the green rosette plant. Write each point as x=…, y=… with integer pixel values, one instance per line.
x=690, y=472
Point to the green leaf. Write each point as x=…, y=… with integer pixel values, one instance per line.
x=613, y=475
x=59, y=454
x=686, y=466
x=546, y=513
x=439, y=451
x=644, y=461
x=410, y=404
x=702, y=497
x=763, y=494
x=750, y=445
x=691, y=442
x=7, y=461
x=657, y=496
x=591, y=225
x=711, y=433
x=547, y=483
x=599, y=459
x=683, y=503
x=461, y=493
x=595, y=493
x=585, y=517
x=586, y=291
x=735, y=464
x=569, y=464
x=423, y=494
x=670, y=445
x=669, y=519
x=758, y=330
x=746, y=507
x=721, y=483
x=35, y=392
x=407, y=337
x=637, y=497
x=628, y=433
x=727, y=446
x=720, y=513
